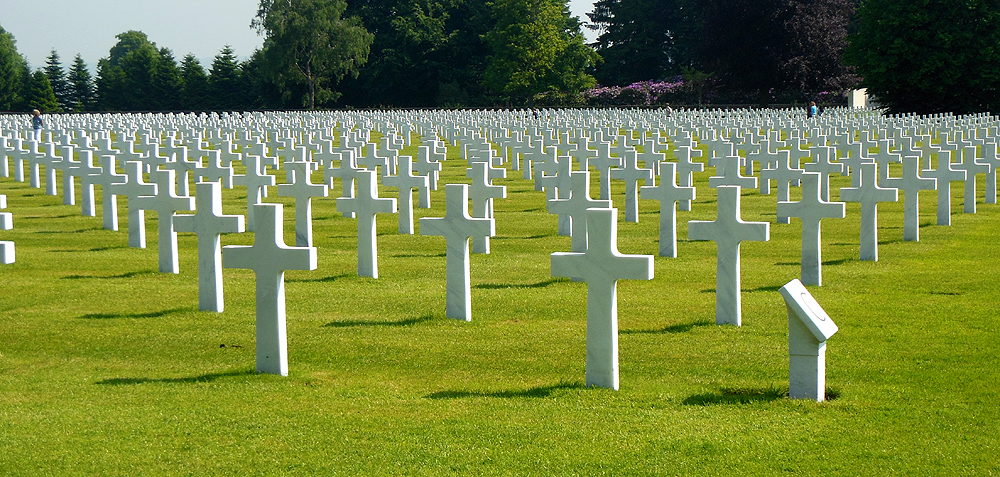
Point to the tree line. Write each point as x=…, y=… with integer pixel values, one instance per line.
x=935, y=56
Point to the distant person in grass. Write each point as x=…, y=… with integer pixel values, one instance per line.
x=37, y=124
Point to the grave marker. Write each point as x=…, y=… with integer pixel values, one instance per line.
x=811, y=210
x=911, y=184
x=868, y=194
x=165, y=203
x=364, y=206
x=669, y=194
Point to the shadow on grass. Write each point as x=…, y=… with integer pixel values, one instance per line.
x=747, y=396
x=772, y=288
x=152, y=314
x=205, y=378
x=105, y=249
x=77, y=231
x=504, y=286
x=838, y=262
x=677, y=328
x=406, y=322
x=331, y=278
x=124, y=275
x=530, y=237
x=536, y=392
x=420, y=255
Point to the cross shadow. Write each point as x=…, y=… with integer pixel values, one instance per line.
x=105, y=249
x=787, y=264
x=530, y=237
x=420, y=255
x=676, y=328
x=152, y=314
x=123, y=275
x=772, y=288
x=351, y=324
x=747, y=396
x=887, y=242
x=535, y=392
x=503, y=286
x=205, y=378
x=331, y=278
x=838, y=262
x=78, y=231
x=946, y=293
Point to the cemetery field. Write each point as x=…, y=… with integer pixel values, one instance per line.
x=107, y=366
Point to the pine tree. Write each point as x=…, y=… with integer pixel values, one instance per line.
x=12, y=68
x=38, y=93
x=166, y=83
x=194, y=93
x=224, y=84
x=57, y=78
x=81, y=86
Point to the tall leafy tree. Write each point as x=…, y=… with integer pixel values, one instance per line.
x=929, y=56
x=57, y=78
x=166, y=83
x=38, y=93
x=124, y=78
x=308, y=42
x=224, y=83
x=646, y=39
x=816, y=38
x=12, y=73
x=81, y=86
x=194, y=93
x=535, y=46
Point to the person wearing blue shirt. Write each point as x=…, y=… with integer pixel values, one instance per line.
x=37, y=124
x=811, y=113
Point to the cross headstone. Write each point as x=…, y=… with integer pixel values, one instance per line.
x=364, y=206
x=811, y=210
x=405, y=181
x=728, y=230
x=868, y=194
x=7, y=255
x=785, y=174
x=109, y=182
x=209, y=223
x=991, y=159
x=824, y=165
x=483, y=192
x=428, y=167
x=971, y=168
x=668, y=193
x=685, y=168
x=911, y=184
x=165, y=203
x=132, y=189
x=945, y=174
x=631, y=173
x=604, y=164
x=256, y=181
x=269, y=257
x=457, y=227
x=216, y=170
x=303, y=190
x=728, y=170
x=601, y=266
x=576, y=207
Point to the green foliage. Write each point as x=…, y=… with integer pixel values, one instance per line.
x=307, y=42
x=942, y=55
x=38, y=94
x=194, y=93
x=125, y=78
x=57, y=78
x=12, y=73
x=82, y=94
x=535, y=46
x=224, y=83
x=166, y=83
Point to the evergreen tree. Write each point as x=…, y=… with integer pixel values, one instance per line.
x=194, y=95
x=124, y=78
x=57, y=78
x=942, y=56
x=224, y=83
x=38, y=93
x=82, y=94
x=12, y=73
x=166, y=83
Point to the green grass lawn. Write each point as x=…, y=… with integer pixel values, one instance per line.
x=107, y=366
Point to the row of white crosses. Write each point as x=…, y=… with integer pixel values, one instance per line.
x=6, y=223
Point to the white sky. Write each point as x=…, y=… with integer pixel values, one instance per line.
x=201, y=27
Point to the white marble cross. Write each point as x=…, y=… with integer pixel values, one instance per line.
x=364, y=206
x=183, y=166
x=824, y=165
x=256, y=181
x=165, y=203
x=603, y=163
x=405, y=181
x=971, y=168
x=89, y=175
x=945, y=174
x=685, y=168
x=457, y=227
x=109, y=182
x=631, y=173
x=911, y=184
x=132, y=189
x=216, y=170
x=601, y=266
x=209, y=223
x=483, y=192
x=7, y=255
x=347, y=171
x=269, y=257
x=812, y=209
x=576, y=208
x=868, y=194
x=728, y=230
x=728, y=168
x=883, y=158
x=429, y=167
x=785, y=174
x=303, y=190
x=991, y=159
x=668, y=193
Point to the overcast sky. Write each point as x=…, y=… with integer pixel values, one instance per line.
x=201, y=27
